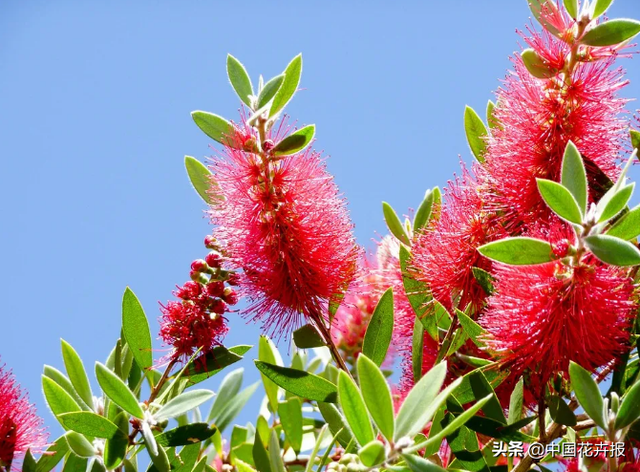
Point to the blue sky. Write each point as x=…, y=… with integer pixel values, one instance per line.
x=95, y=100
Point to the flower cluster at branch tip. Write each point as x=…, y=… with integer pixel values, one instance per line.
x=196, y=320
x=21, y=429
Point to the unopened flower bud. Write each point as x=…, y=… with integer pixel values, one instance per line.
x=268, y=145
x=234, y=279
x=230, y=296
x=210, y=242
x=217, y=306
x=197, y=277
x=189, y=290
x=249, y=145
x=215, y=288
x=199, y=265
x=214, y=259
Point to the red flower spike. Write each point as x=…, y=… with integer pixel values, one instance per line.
x=284, y=224
x=20, y=426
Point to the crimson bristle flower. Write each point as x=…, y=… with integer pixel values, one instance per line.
x=542, y=317
x=538, y=117
x=444, y=255
x=283, y=222
x=20, y=426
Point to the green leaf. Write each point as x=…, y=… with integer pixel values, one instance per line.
x=53, y=455
x=336, y=422
x=239, y=79
x=316, y=448
x=275, y=457
x=201, y=179
x=612, y=250
x=599, y=7
x=295, y=142
x=613, y=202
x=185, y=435
x=376, y=395
x=419, y=464
x=269, y=90
x=572, y=8
x=536, y=66
x=574, y=176
x=481, y=388
x=417, y=293
x=290, y=413
x=89, y=424
x=135, y=329
x=289, y=86
x=267, y=352
x=300, y=383
x=307, y=337
x=157, y=453
x=228, y=390
x=79, y=444
x=516, y=402
x=76, y=372
x=208, y=365
x=372, y=454
x=518, y=251
x=472, y=329
x=560, y=412
x=476, y=133
x=635, y=138
x=465, y=393
x=354, y=409
x=611, y=32
x=214, y=126
x=115, y=448
x=492, y=121
x=560, y=200
x=260, y=455
x=495, y=429
x=183, y=403
x=394, y=224
x=423, y=214
x=628, y=411
x=422, y=402
x=417, y=349
x=117, y=391
x=57, y=397
x=537, y=7
x=380, y=329
x=587, y=393
x=29, y=462
x=74, y=463
x=484, y=279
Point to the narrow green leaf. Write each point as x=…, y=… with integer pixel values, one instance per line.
x=599, y=7
x=183, y=403
x=495, y=429
x=548, y=7
x=185, y=435
x=472, y=329
x=239, y=79
x=492, y=121
x=612, y=250
x=307, y=337
x=136, y=331
x=494, y=375
x=115, y=448
x=354, y=409
x=423, y=214
x=77, y=374
x=587, y=393
x=300, y=383
x=635, y=138
x=536, y=65
x=58, y=399
x=290, y=413
x=260, y=455
x=229, y=388
x=572, y=8
x=417, y=349
x=89, y=424
x=295, y=142
x=420, y=404
x=29, y=462
x=611, y=32
x=419, y=464
x=380, y=329
x=201, y=179
x=275, y=456
x=289, y=86
x=117, y=391
x=628, y=411
x=79, y=444
x=518, y=251
x=376, y=395
x=613, y=203
x=53, y=455
x=157, y=453
x=267, y=352
x=481, y=387
x=574, y=175
x=74, y=463
x=560, y=412
x=372, y=454
x=484, y=278
x=516, y=402
x=394, y=224
x=417, y=293
x=208, y=365
x=64, y=382
x=269, y=90
x=214, y=126
x=476, y=133
x=316, y=448
x=336, y=422
x=560, y=200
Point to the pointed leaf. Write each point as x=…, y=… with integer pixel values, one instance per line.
x=380, y=329
x=239, y=79
x=290, y=413
x=269, y=90
x=184, y=435
x=612, y=250
x=588, y=393
x=628, y=226
x=117, y=391
x=289, y=86
x=574, y=175
x=76, y=372
x=611, y=32
x=417, y=350
x=518, y=251
x=354, y=409
x=394, y=224
x=536, y=65
x=208, y=365
x=229, y=388
x=295, y=142
x=628, y=411
x=79, y=444
x=599, y=7
x=476, y=133
x=419, y=464
x=89, y=424
x=136, y=331
x=201, y=179
x=235, y=406
x=572, y=8
x=376, y=395
x=336, y=422
x=516, y=402
x=613, y=203
x=214, y=126
x=423, y=214
x=53, y=455
x=560, y=200
x=300, y=383
x=275, y=457
x=267, y=352
x=260, y=455
x=560, y=412
x=307, y=337
x=372, y=454
x=58, y=399
x=183, y=403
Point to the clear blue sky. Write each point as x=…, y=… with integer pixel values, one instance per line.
x=94, y=123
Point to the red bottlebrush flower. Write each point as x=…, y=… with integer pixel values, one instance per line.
x=538, y=117
x=543, y=316
x=283, y=222
x=20, y=426
x=445, y=254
